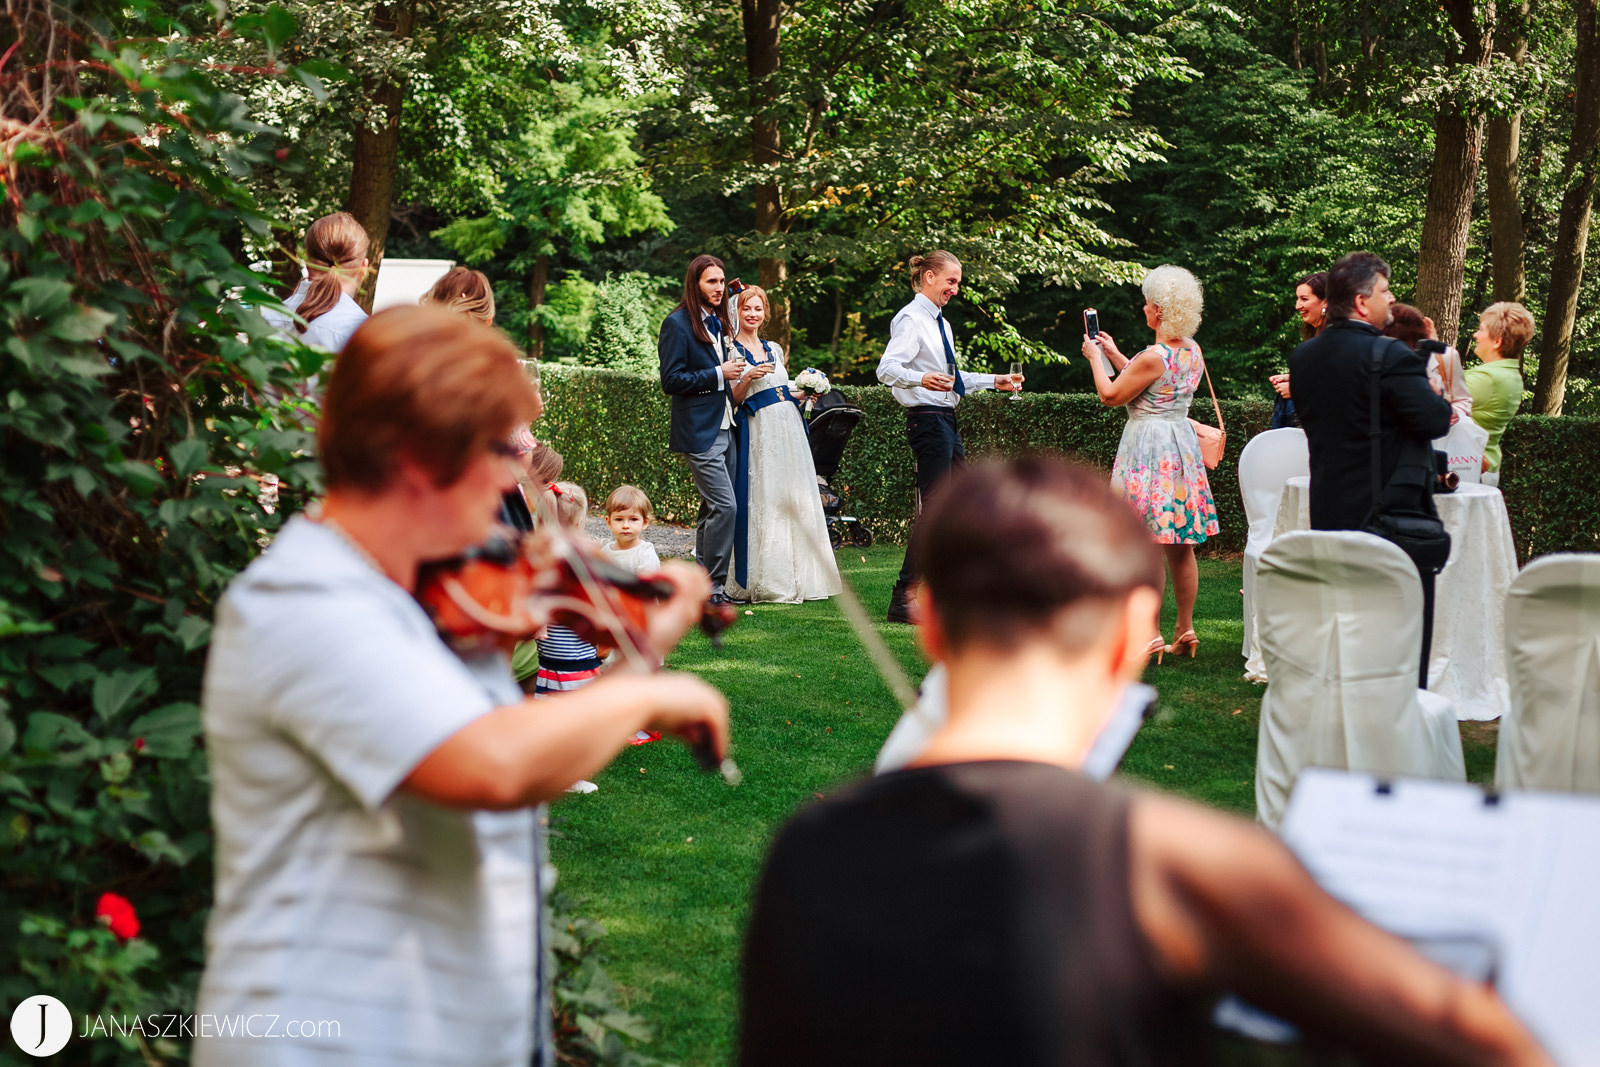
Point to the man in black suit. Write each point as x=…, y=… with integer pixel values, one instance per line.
x=695, y=372
x=1332, y=371
x=1330, y=378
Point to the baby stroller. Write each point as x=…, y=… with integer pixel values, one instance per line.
x=832, y=420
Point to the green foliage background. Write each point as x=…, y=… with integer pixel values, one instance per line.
x=611, y=427
x=138, y=419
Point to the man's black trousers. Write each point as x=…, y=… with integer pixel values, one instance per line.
x=936, y=446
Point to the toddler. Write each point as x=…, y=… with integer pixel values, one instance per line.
x=627, y=514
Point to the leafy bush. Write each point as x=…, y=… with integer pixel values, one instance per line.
x=628, y=310
x=612, y=428
x=1548, y=478
x=592, y=1024
x=135, y=431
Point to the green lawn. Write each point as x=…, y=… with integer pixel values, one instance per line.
x=665, y=857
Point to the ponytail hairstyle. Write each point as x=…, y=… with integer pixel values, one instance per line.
x=572, y=505
x=335, y=247
x=936, y=260
x=466, y=291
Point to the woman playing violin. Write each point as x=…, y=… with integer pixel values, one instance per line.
x=374, y=794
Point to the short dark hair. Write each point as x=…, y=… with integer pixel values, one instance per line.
x=1354, y=275
x=1008, y=546
x=694, y=300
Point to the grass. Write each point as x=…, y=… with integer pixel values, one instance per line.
x=666, y=857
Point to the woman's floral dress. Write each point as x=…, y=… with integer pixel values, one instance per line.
x=1158, y=469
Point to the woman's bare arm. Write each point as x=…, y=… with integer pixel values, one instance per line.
x=1223, y=903
x=1138, y=375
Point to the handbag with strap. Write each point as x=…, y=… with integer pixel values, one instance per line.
x=1213, y=439
x=1418, y=534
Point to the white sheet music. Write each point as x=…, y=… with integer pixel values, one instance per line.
x=1432, y=859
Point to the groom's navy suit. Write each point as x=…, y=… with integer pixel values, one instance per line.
x=691, y=374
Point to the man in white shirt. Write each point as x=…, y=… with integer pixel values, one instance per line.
x=919, y=366
x=374, y=794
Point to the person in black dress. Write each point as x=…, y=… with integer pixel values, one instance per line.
x=989, y=904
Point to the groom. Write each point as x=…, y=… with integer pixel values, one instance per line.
x=695, y=372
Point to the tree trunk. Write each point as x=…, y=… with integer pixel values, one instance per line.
x=762, y=19
x=1502, y=146
x=375, y=152
x=1503, y=141
x=1579, y=173
x=838, y=323
x=541, y=275
x=1441, y=261
x=1457, y=147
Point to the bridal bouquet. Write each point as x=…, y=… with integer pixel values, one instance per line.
x=812, y=381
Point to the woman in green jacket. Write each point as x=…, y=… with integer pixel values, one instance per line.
x=1504, y=331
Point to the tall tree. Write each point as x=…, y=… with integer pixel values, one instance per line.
x=388, y=122
x=1502, y=147
x=762, y=20
x=1457, y=144
x=1579, y=172
x=375, y=155
x=571, y=180
x=862, y=131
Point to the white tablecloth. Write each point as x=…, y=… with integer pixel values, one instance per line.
x=1468, y=663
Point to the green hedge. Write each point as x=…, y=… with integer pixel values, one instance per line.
x=612, y=428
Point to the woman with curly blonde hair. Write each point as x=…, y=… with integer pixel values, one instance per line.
x=1158, y=468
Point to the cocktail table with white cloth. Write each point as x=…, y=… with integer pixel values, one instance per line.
x=1468, y=662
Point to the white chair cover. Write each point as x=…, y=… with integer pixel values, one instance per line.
x=1341, y=629
x=1465, y=444
x=1269, y=459
x=1550, y=739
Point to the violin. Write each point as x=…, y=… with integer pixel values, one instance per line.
x=515, y=584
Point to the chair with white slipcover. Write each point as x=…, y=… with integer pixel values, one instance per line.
x=1269, y=459
x=1340, y=616
x=1550, y=739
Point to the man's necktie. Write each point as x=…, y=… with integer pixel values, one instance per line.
x=950, y=356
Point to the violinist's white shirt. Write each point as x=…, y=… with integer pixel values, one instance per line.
x=339, y=898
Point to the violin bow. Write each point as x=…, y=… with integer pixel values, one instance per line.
x=889, y=669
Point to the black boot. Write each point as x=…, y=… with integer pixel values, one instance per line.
x=900, y=603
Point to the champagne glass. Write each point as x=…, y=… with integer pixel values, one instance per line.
x=1015, y=370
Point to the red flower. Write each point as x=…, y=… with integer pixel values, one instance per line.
x=138, y=744
x=118, y=914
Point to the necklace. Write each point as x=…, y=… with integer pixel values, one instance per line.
x=315, y=514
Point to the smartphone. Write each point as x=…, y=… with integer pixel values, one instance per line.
x=1091, y=323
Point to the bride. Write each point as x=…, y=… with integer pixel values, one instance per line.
x=780, y=540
